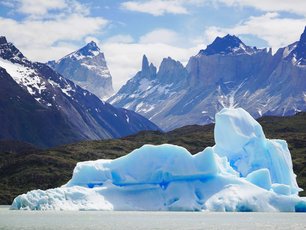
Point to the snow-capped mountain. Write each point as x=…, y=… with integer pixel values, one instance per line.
x=40, y=106
x=87, y=68
x=227, y=73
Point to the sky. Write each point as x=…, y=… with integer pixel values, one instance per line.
x=125, y=30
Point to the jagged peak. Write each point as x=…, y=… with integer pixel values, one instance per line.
x=146, y=66
x=229, y=44
x=90, y=50
x=303, y=36
x=299, y=51
x=10, y=52
x=145, y=63
x=170, y=62
x=147, y=70
x=3, y=40
x=168, y=59
x=91, y=46
x=171, y=72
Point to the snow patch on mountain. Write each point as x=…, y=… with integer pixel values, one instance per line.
x=25, y=77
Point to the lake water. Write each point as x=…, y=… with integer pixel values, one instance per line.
x=147, y=220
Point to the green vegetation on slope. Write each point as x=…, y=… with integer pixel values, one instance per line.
x=33, y=169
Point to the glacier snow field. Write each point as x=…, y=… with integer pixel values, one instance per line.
x=243, y=172
x=66, y=220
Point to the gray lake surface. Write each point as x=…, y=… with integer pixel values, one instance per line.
x=147, y=220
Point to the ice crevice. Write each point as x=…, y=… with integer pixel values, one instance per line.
x=243, y=171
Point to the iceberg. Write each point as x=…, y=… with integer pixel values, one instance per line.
x=244, y=171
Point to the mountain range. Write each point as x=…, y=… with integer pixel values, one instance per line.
x=41, y=107
x=227, y=73
x=87, y=68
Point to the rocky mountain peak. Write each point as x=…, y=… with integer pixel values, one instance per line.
x=87, y=68
x=2, y=40
x=147, y=70
x=91, y=46
x=300, y=50
x=229, y=44
x=89, y=50
x=9, y=52
x=145, y=63
x=171, y=71
x=169, y=63
x=303, y=36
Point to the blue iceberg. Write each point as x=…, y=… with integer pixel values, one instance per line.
x=244, y=171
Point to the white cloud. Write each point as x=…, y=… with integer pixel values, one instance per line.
x=276, y=31
x=38, y=7
x=43, y=35
x=161, y=7
x=212, y=32
x=90, y=39
x=156, y=7
x=7, y=3
x=120, y=38
x=164, y=36
x=41, y=38
x=293, y=6
x=49, y=32
x=49, y=53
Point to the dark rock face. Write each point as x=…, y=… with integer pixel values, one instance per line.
x=41, y=107
x=227, y=73
x=227, y=45
x=2, y=40
x=300, y=50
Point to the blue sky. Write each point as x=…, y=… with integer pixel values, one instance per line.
x=125, y=30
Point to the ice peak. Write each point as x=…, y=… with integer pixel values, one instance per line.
x=240, y=126
x=3, y=40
